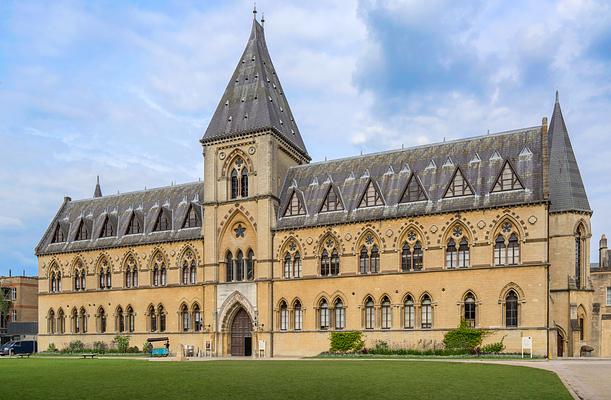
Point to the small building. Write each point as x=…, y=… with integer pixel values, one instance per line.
x=601, y=307
x=20, y=318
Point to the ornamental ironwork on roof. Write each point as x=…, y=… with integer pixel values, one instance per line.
x=254, y=100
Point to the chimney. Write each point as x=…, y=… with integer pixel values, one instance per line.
x=603, y=261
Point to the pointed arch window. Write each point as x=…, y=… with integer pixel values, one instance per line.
x=162, y=318
x=240, y=266
x=58, y=235
x=250, y=265
x=82, y=232
x=287, y=266
x=294, y=206
x=363, y=260
x=340, y=314
x=229, y=266
x=386, y=313
x=83, y=320
x=507, y=246
x=192, y=218
x=55, y=281
x=413, y=191
x=332, y=202
x=134, y=226
x=51, y=322
x=469, y=309
x=371, y=197
x=334, y=262
x=185, y=318
x=409, y=314
x=120, y=322
x=323, y=317
x=511, y=309
x=159, y=275
x=297, y=265
x=463, y=254
x=244, y=183
x=152, y=319
x=101, y=321
x=197, y=318
x=76, y=323
x=130, y=319
x=411, y=257
x=108, y=229
x=324, y=263
x=61, y=322
x=507, y=180
x=458, y=186
x=426, y=312
x=580, y=239
x=234, y=184
x=298, y=323
x=369, y=314
x=163, y=222
x=284, y=316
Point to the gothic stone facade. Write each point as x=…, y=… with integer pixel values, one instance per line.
x=272, y=250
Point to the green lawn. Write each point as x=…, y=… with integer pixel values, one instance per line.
x=37, y=378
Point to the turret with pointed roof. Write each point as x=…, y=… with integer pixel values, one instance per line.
x=567, y=192
x=254, y=100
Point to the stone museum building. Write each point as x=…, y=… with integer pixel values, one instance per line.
x=273, y=252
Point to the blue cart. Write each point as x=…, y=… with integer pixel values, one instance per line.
x=162, y=349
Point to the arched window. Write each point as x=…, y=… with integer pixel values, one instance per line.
x=244, y=183
x=374, y=263
x=131, y=272
x=250, y=265
x=507, y=246
x=162, y=316
x=76, y=324
x=406, y=259
x=427, y=312
x=101, y=321
x=369, y=314
x=102, y=277
x=469, y=308
x=56, y=281
x=511, y=309
x=128, y=278
x=297, y=265
x=298, y=316
x=135, y=277
x=192, y=219
x=408, y=313
x=334, y=262
x=579, y=247
x=363, y=261
x=386, y=313
x=152, y=319
x=451, y=254
x=500, y=252
x=164, y=221
x=284, y=317
x=185, y=318
x=108, y=278
x=61, y=322
x=185, y=273
x=197, y=318
x=240, y=266
x=418, y=256
x=83, y=318
x=463, y=254
x=131, y=320
x=340, y=314
x=234, y=184
x=163, y=275
x=323, y=317
x=229, y=266
x=120, y=322
x=324, y=263
x=513, y=250
x=51, y=322
x=287, y=266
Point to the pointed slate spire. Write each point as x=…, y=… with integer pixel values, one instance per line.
x=98, y=191
x=567, y=192
x=254, y=100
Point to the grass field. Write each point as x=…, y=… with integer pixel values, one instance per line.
x=309, y=379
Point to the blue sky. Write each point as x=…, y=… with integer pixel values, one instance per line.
x=125, y=90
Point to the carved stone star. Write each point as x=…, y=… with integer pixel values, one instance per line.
x=239, y=231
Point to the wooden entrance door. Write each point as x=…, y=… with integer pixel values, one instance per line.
x=560, y=344
x=241, y=335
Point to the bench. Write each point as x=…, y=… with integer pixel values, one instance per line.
x=24, y=355
x=90, y=355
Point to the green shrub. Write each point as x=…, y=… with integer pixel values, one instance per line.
x=122, y=343
x=51, y=348
x=464, y=338
x=382, y=348
x=344, y=342
x=75, y=346
x=494, y=348
x=134, y=349
x=147, y=347
x=99, y=347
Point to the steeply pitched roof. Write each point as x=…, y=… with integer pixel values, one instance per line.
x=145, y=205
x=476, y=157
x=98, y=190
x=567, y=192
x=254, y=100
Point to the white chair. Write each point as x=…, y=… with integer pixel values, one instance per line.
x=262, y=348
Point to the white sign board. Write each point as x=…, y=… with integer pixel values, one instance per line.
x=527, y=343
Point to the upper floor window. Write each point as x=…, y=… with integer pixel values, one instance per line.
x=163, y=222
x=105, y=278
x=192, y=219
x=244, y=183
x=609, y=296
x=80, y=278
x=108, y=229
x=159, y=273
x=413, y=191
x=55, y=281
x=507, y=180
x=369, y=260
x=371, y=196
x=411, y=257
x=134, y=226
x=458, y=186
x=580, y=238
x=82, y=232
x=131, y=272
x=240, y=268
x=507, y=246
x=189, y=268
x=294, y=206
x=457, y=255
x=329, y=263
x=239, y=179
x=332, y=201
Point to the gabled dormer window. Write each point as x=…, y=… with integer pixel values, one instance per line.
x=58, y=235
x=82, y=233
x=163, y=222
x=371, y=197
x=507, y=180
x=191, y=219
x=134, y=225
x=108, y=229
x=413, y=191
x=458, y=186
x=294, y=207
x=332, y=202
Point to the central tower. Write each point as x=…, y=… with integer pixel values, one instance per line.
x=250, y=143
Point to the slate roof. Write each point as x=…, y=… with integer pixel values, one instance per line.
x=145, y=205
x=434, y=165
x=254, y=100
x=567, y=192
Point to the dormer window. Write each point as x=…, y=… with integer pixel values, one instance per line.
x=163, y=222
x=413, y=191
x=82, y=233
x=507, y=180
x=294, y=207
x=458, y=186
x=134, y=226
x=108, y=229
x=58, y=235
x=191, y=219
x=332, y=202
x=371, y=197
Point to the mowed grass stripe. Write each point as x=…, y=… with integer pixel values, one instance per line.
x=308, y=379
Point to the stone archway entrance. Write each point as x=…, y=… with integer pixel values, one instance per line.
x=560, y=344
x=241, y=334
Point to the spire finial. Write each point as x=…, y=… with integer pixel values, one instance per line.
x=98, y=191
x=263, y=19
x=557, y=97
x=254, y=10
